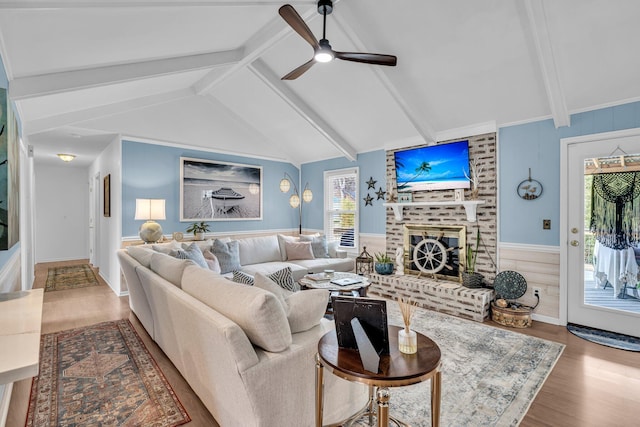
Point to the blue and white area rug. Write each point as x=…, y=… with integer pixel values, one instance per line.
x=610, y=339
x=490, y=376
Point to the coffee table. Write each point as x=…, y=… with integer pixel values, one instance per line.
x=357, y=289
x=396, y=370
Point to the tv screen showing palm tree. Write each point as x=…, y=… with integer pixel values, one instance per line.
x=436, y=167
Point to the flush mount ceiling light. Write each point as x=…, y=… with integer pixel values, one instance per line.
x=66, y=157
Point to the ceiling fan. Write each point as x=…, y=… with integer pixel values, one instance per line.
x=322, y=49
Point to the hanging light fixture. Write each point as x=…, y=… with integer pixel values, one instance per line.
x=307, y=195
x=66, y=157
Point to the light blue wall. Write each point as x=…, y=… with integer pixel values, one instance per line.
x=371, y=164
x=153, y=171
x=537, y=146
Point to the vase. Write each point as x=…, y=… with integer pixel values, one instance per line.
x=472, y=280
x=198, y=236
x=384, y=267
x=407, y=341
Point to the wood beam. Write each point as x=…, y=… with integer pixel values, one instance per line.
x=268, y=77
x=66, y=119
x=411, y=112
x=48, y=84
x=537, y=20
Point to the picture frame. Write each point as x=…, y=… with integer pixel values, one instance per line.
x=405, y=197
x=212, y=190
x=9, y=174
x=372, y=314
x=106, y=196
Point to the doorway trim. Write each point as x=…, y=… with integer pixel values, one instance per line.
x=564, y=220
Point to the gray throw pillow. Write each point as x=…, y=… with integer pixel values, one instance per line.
x=191, y=252
x=318, y=245
x=228, y=255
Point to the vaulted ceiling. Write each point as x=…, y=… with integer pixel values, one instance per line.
x=206, y=73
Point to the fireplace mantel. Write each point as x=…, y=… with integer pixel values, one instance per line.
x=469, y=207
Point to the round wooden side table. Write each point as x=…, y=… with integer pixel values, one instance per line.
x=396, y=369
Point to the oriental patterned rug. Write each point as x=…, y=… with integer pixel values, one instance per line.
x=70, y=277
x=490, y=376
x=101, y=375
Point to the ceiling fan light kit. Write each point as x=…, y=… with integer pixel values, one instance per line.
x=323, y=52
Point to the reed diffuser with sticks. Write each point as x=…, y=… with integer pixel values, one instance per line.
x=407, y=339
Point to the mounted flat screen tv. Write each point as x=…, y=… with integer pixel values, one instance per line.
x=436, y=167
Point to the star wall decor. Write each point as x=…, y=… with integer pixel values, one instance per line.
x=380, y=193
x=371, y=183
x=368, y=201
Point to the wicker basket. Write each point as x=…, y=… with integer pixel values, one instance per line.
x=472, y=280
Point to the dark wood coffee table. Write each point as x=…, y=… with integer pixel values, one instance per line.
x=396, y=369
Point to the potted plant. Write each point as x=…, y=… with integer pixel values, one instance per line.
x=383, y=264
x=198, y=229
x=471, y=278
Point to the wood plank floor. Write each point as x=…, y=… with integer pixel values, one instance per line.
x=591, y=385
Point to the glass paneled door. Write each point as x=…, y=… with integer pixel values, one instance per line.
x=600, y=230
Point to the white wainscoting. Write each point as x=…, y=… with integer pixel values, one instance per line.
x=540, y=266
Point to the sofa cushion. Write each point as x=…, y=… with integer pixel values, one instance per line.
x=304, y=309
x=255, y=250
x=165, y=248
x=281, y=242
x=271, y=267
x=298, y=250
x=318, y=245
x=320, y=264
x=191, y=252
x=258, y=312
x=142, y=254
x=212, y=261
x=228, y=255
x=168, y=267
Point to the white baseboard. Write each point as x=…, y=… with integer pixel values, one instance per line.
x=546, y=319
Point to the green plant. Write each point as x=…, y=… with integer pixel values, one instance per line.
x=382, y=258
x=472, y=255
x=198, y=227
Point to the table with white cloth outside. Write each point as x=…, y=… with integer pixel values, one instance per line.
x=618, y=267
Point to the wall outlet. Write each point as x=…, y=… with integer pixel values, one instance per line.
x=546, y=224
x=536, y=292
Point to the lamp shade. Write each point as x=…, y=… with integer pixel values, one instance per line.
x=66, y=157
x=150, y=209
x=285, y=185
x=307, y=195
x=294, y=201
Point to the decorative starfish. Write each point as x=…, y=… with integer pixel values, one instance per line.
x=371, y=183
x=368, y=200
x=380, y=193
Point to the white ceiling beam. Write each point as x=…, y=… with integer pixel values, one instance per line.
x=82, y=4
x=541, y=39
x=53, y=83
x=417, y=120
x=66, y=119
x=268, y=77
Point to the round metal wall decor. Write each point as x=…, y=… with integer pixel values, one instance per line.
x=510, y=285
x=529, y=189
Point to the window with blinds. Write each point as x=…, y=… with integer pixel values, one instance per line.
x=341, y=207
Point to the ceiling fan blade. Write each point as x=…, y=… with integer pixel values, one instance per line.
x=294, y=20
x=367, y=58
x=299, y=71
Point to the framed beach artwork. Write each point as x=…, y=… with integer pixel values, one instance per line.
x=218, y=191
x=9, y=175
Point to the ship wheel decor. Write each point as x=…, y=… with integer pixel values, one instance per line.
x=431, y=256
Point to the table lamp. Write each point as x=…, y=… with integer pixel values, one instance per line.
x=150, y=210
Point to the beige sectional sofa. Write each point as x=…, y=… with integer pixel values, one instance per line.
x=248, y=353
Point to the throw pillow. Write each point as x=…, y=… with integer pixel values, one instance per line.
x=284, y=279
x=168, y=267
x=263, y=282
x=212, y=261
x=141, y=254
x=191, y=252
x=318, y=245
x=306, y=309
x=165, y=248
x=228, y=255
x=282, y=239
x=242, y=277
x=301, y=250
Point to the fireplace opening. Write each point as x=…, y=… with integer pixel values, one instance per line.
x=435, y=251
